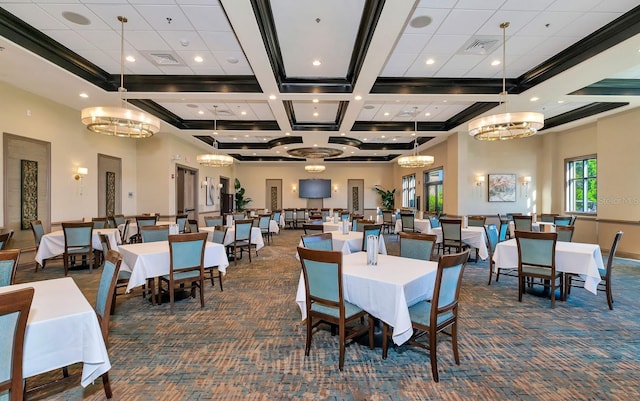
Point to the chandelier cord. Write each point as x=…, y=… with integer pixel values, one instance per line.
x=121, y=89
x=504, y=27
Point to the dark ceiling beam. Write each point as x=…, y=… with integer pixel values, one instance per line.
x=285, y=140
x=188, y=83
x=580, y=113
x=442, y=86
x=611, y=87
x=243, y=158
x=309, y=126
x=356, y=143
x=469, y=114
x=386, y=158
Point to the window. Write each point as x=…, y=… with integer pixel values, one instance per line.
x=582, y=184
x=433, y=192
x=408, y=190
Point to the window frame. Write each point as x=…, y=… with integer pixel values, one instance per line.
x=569, y=198
x=408, y=190
x=427, y=184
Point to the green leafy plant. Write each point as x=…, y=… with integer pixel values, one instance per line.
x=387, y=197
x=241, y=201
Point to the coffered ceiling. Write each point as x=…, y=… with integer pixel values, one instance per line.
x=355, y=76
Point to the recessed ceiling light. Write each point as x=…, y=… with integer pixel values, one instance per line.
x=534, y=99
x=272, y=97
x=286, y=147
x=198, y=59
x=235, y=138
x=352, y=152
x=364, y=139
x=244, y=113
x=495, y=62
x=386, y=113
x=130, y=59
x=315, y=114
x=277, y=151
x=420, y=21
x=383, y=136
x=215, y=132
x=315, y=100
x=246, y=135
x=254, y=153
x=315, y=145
x=232, y=60
x=413, y=134
x=375, y=154
x=445, y=101
x=358, y=97
x=342, y=134
x=287, y=133
x=427, y=114
x=560, y=101
x=84, y=95
x=316, y=62
x=395, y=139
x=344, y=147
x=200, y=112
x=430, y=61
x=264, y=139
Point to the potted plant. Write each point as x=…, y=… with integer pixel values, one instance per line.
x=241, y=201
x=387, y=197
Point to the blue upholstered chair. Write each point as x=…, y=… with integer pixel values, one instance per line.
x=186, y=264
x=212, y=221
x=123, y=276
x=290, y=218
x=387, y=221
x=300, y=217
x=263, y=223
x=38, y=232
x=14, y=312
x=78, y=239
x=452, y=235
x=154, y=233
x=504, y=231
x=181, y=221
x=4, y=239
x=439, y=313
x=276, y=216
x=537, y=260
x=408, y=225
x=345, y=215
x=565, y=233
x=547, y=217
x=417, y=245
x=605, y=274
x=241, y=240
x=313, y=228
x=493, y=237
x=322, y=272
x=476, y=221
x=319, y=241
x=100, y=222
x=218, y=236
x=370, y=229
x=8, y=266
x=358, y=225
x=239, y=216
x=562, y=220
x=143, y=221
x=117, y=219
x=523, y=223
x=192, y=226
x=434, y=221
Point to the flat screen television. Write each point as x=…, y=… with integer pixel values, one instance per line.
x=314, y=189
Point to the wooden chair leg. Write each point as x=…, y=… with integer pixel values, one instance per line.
x=385, y=340
x=433, y=355
x=609, y=296
x=107, y=385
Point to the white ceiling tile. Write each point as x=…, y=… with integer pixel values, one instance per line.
x=584, y=25
x=165, y=17
x=57, y=10
x=479, y=4
x=242, y=67
x=262, y=111
x=616, y=6
x=411, y=43
x=520, y=45
x=221, y=41
x=146, y=40
x=141, y=66
x=177, y=40
x=199, y=2
x=517, y=20
x=109, y=15
x=398, y=64
x=464, y=22
x=71, y=39
x=573, y=5
x=444, y=44
x=420, y=68
x=437, y=17
x=548, y=23
x=527, y=5
x=108, y=40
x=176, y=70
x=207, y=18
x=437, y=3
x=327, y=112
x=36, y=17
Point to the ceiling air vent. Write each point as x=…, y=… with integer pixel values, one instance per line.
x=479, y=45
x=164, y=58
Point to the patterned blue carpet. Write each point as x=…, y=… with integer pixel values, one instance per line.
x=248, y=343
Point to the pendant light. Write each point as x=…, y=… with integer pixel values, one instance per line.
x=120, y=121
x=415, y=160
x=506, y=125
x=214, y=159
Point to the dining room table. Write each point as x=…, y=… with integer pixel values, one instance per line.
x=350, y=242
x=385, y=291
x=62, y=329
x=52, y=244
x=420, y=225
x=150, y=260
x=475, y=237
x=538, y=226
x=256, y=236
x=571, y=257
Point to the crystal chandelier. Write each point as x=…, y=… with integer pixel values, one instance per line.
x=415, y=160
x=314, y=168
x=505, y=125
x=120, y=121
x=214, y=159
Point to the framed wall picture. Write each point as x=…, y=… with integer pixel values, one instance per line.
x=502, y=187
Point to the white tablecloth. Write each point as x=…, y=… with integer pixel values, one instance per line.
x=534, y=227
x=475, y=237
x=571, y=257
x=385, y=291
x=256, y=236
x=420, y=225
x=273, y=227
x=133, y=227
x=151, y=259
x=62, y=330
x=350, y=243
x=52, y=244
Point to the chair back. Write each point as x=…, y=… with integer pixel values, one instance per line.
x=434, y=221
x=124, y=231
x=255, y=222
x=492, y=237
x=387, y=216
x=219, y=233
x=510, y=215
x=358, y=225
x=446, y=291
x=243, y=230
x=14, y=312
x=117, y=219
x=451, y=230
x=181, y=221
x=370, y=229
x=562, y=220
x=476, y=221
x=547, y=217
x=4, y=240
x=536, y=249
x=345, y=215
x=311, y=228
x=612, y=254
x=104, y=297
x=38, y=231
x=104, y=241
x=417, y=245
x=319, y=241
x=276, y=216
x=143, y=221
x=212, y=221
x=187, y=252
x=100, y=222
x=193, y=226
x=8, y=266
x=523, y=223
x=239, y=216
x=289, y=214
x=263, y=222
x=565, y=233
x=300, y=215
x=77, y=235
x=504, y=229
x=154, y=233
x=322, y=271
x=407, y=222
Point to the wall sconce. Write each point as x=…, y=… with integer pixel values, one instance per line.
x=204, y=184
x=293, y=188
x=80, y=173
x=335, y=188
x=220, y=186
x=479, y=180
x=525, y=180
